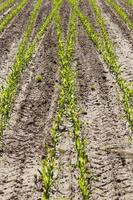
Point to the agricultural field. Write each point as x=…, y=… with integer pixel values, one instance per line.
x=66, y=99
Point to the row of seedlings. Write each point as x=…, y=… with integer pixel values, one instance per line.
x=82, y=160
x=49, y=164
x=8, y=91
x=129, y=2
x=115, y=68
x=24, y=54
x=106, y=49
x=67, y=104
x=6, y=5
x=119, y=10
x=12, y=13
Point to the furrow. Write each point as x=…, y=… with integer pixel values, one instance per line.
x=65, y=14
x=94, y=37
x=44, y=11
x=58, y=156
x=88, y=12
x=9, y=42
x=66, y=102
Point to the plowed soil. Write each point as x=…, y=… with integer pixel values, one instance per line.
x=104, y=125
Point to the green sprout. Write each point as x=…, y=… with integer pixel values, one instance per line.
x=38, y=78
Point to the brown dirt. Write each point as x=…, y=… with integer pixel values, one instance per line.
x=103, y=123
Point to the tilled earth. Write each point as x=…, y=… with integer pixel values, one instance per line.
x=104, y=126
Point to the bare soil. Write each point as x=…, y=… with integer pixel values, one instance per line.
x=104, y=126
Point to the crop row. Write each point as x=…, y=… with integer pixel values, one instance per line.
x=114, y=66
x=82, y=161
x=14, y=11
x=48, y=164
x=12, y=79
x=24, y=54
x=105, y=47
x=129, y=2
x=118, y=9
x=66, y=104
x=6, y=5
